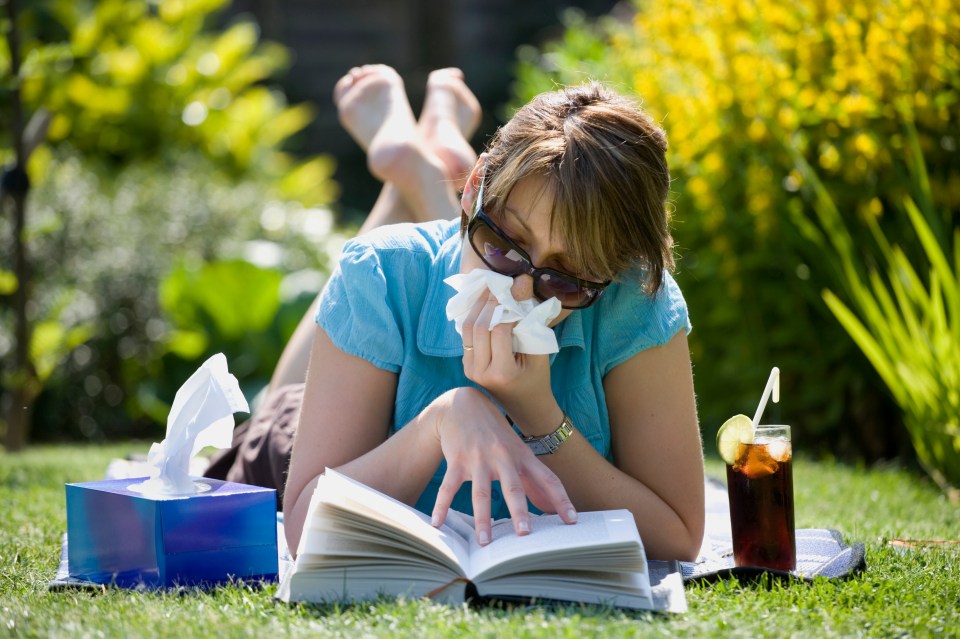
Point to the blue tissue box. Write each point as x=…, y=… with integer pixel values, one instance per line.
x=117, y=535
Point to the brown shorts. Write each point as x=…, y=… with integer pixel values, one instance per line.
x=260, y=454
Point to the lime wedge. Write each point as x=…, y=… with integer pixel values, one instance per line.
x=735, y=430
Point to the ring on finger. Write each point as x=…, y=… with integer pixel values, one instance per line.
x=467, y=348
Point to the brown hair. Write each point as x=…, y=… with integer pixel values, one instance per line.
x=604, y=160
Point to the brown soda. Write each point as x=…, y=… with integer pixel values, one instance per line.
x=760, y=488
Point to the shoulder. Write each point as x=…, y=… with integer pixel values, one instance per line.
x=370, y=307
x=629, y=320
x=394, y=261
x=625, y=302
x=396, y=241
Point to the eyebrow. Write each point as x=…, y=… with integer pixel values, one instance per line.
x=519, y=218
x=559, y=260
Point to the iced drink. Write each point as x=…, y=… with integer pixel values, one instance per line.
x=760, y=489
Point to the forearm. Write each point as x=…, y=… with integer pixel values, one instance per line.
x=400, y=467
x=593, y=483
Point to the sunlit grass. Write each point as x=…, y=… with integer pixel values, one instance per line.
x=901, y=594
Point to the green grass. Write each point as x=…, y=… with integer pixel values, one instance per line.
x=911, y=594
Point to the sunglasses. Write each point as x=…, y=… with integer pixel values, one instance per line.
x=503, y=255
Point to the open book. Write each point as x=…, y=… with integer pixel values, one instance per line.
x=359, y=543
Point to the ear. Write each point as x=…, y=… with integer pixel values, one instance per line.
x=472, y=185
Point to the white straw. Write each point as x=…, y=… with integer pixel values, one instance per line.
x=773, y=384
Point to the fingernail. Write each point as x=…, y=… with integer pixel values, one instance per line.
x=435, y=521
x=523, y=527
x=572, y=515
x=484, y=538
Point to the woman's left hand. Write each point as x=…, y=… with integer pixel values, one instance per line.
x=480, y=447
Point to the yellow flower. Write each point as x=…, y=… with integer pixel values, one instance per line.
x=829, y=156
x=865, y=145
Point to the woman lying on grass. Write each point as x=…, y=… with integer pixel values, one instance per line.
x=569, y=201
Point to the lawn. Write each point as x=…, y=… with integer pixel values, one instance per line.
x=902, y=594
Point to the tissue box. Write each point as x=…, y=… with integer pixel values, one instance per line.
x=117, y=535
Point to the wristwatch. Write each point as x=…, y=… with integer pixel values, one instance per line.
x=548, y=444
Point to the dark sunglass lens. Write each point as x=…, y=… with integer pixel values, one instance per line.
x=496, y=252
x=570, y=294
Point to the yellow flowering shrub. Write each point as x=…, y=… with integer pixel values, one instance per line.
x=843, y=74
x=740, y=86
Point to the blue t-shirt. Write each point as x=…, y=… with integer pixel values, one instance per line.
x=386, y=302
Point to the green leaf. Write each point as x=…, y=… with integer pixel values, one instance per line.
x=186, y=344
x=938, y=259
x=239, y=296
x=235, y=297
x=867, y=344
x=8, y=282
x=50, y=343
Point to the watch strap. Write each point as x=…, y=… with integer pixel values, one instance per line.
x=548, y=444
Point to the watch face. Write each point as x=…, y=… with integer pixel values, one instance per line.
x=539, y=447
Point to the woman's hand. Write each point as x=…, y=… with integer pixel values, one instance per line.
x=480, y=446
x=519, y=382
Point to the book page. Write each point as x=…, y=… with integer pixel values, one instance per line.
x=461, y=524
x=385, y=515
x=606, y=540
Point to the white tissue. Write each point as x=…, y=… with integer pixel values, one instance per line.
x=531, y=335
x=201, y=415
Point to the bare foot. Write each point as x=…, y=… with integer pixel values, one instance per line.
x=373, y=107
x=450, y=116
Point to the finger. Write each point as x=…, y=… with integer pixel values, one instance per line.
x=481, y=507
x=471, y=319
x=547, y=491
x=467, y=329
x=516, y=497
x=452, y=480
x=481, y=334
x=502, y=356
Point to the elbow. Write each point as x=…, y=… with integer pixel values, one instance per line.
x=680, y=541
x=690, y=543
x=293, y=520
x=684, y=546
x=689, y=549
x=291, y=532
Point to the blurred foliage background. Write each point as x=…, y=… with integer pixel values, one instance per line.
x=750, y=93
x=166, y=221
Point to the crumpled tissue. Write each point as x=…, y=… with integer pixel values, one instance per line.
x=531, y=335
x=201, y=415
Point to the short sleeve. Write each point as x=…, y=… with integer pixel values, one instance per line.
x=356, y=308
x=630, y=321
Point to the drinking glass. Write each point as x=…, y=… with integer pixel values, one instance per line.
x=760, y=490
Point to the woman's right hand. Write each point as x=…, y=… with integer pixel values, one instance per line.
x=479, y=446
x=520, y=383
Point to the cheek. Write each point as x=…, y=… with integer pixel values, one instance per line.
x=469, y=260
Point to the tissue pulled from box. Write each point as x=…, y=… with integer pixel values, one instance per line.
x=201, y=416
x=531, y=335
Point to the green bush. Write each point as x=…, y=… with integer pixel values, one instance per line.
x=165, y=164
x=907, y=322
x=736, y=86
x=127, y=80
x=157, y=266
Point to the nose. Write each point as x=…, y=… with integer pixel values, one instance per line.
x=522, y=288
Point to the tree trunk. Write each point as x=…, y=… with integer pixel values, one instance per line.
x=13, y=190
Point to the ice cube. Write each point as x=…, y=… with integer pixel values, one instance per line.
x=755, y=461
x=779, y=449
